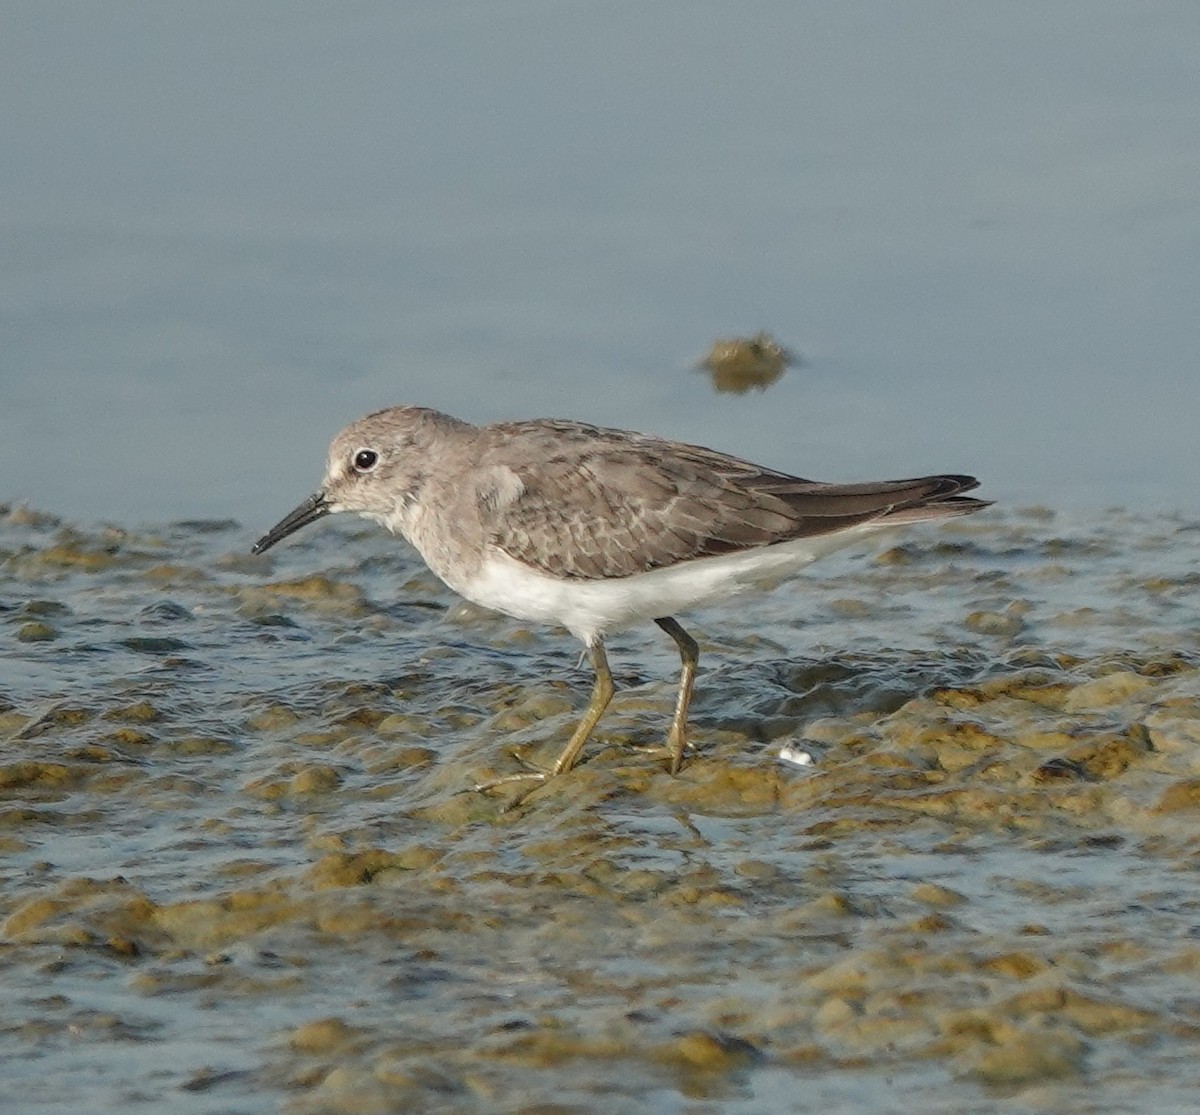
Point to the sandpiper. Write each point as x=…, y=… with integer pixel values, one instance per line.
x=597, y=529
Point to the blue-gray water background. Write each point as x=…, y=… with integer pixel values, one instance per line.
x=226, y=229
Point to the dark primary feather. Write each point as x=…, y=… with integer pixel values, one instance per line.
x=609, y=503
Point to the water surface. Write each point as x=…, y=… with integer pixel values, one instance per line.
x=227, y=231
x=243, y=867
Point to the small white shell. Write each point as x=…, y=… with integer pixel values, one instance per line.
x=797, y=756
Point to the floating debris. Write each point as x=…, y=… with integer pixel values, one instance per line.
x=741, y=364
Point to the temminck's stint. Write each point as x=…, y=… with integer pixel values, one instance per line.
x=594, y=529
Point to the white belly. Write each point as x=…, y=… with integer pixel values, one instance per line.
x=592, y=609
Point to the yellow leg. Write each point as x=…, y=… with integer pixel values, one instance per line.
x=689, y=653
x=602, y=693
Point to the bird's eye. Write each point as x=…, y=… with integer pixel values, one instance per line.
x=365, y=460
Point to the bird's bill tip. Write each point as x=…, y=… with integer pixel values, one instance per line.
x=312, y=509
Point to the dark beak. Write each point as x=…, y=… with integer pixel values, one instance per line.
x=314, y=508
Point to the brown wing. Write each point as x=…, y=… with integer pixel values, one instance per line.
x=596, y=503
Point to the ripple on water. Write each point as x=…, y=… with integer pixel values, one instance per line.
x=242, y=864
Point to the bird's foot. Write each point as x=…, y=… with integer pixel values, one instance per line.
x=537, y=777
x=672, y=751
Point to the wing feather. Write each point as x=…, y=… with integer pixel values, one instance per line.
x=596, y=504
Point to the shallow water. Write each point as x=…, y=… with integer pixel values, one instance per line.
x=243, y=869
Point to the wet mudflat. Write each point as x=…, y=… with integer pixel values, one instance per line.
x=243, y=871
